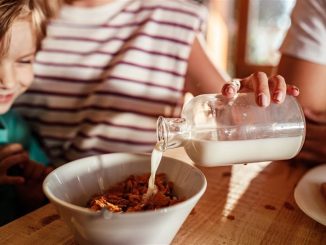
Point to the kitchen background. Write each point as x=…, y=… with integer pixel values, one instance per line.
x=243, y=36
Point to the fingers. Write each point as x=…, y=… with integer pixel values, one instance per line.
x=257, y=83
x=292, y=90
x=10, y=149
x=19, y=159
x=16, y=160
x=278, y=87
x=230, y=89
x=39, y=172
x=267, y=90
x=11, y=155
x=12, y=158
x=260, y=85
x=35, y=171
x=32, y=170
x=12, y=180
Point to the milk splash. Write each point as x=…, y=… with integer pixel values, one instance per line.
x=156, y=158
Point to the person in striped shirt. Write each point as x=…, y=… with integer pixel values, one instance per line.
x=107, y=69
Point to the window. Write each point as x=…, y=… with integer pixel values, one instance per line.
x=262, y=27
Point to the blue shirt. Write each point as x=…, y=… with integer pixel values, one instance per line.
x=14, y=129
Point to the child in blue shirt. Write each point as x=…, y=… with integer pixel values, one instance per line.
x=23, y=164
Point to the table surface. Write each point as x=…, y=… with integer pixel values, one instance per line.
x=243, y=204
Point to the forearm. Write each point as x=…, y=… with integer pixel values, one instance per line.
x=203, y=76
x=309, y=77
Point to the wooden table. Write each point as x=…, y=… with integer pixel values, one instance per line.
x=243, y=204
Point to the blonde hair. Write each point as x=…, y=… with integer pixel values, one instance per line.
x=38, y=11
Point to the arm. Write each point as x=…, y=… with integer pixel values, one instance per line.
x=310, y=77
x=203, y=77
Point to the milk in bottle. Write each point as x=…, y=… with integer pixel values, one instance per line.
x=215, y=130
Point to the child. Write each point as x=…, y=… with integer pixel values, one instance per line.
x=20, y=175
x=108, y=69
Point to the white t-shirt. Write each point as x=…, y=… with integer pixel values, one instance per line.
x=306, y=38
x=104, y=75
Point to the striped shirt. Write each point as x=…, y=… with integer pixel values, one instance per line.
x=104, y=75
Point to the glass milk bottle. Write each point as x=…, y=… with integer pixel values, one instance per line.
x=215, y=130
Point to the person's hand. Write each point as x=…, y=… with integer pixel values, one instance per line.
x=30, y=195
x=12, y=155
x=35, y=172
x=31, y=192
x=314, y=148
x=266, y=89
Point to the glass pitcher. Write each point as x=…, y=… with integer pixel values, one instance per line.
x=215, y=130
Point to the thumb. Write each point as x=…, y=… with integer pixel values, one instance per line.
x=230, y=89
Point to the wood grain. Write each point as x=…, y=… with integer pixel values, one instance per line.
x=243, y=204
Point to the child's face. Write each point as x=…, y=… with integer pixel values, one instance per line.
x=16, y=65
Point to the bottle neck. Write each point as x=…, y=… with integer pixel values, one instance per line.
x=171, y=132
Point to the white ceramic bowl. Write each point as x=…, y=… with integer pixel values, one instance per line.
x=70, y=186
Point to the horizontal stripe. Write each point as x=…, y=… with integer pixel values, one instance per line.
x=150, y=84
x=108, y=122
x=108, y=150
x=92, y=150
x=161, y=7
x=110, y=135
x=126, y=25
x=114, y=86
x=74, y=124
x=108, y=40
x=117, y=140
x=174, y=10
x=107, y=67
x=76, y=152
x=62, y=74
x=143, y=60
x=96, y=104
x=101, y=93
x=62, y=79
x=104, y=138
x=130, y=34
x=141, y=42
x=86, y=139
x=91, y=107
x=122, y=51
